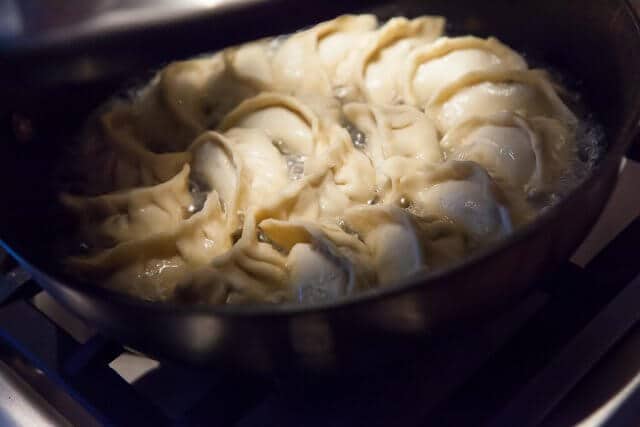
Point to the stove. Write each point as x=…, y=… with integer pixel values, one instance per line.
x=567, y=354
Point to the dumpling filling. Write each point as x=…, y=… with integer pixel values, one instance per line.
x=307, y=168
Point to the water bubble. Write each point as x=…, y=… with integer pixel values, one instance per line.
x=264, y=238
x=281, y=146
x=156, y=268
x=404, y=202
x=358, y=137
x=295, y=166
x=347, y=228
x=198, y=197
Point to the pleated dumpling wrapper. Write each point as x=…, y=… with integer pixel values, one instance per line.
x=384, y=57
x=132, y=214
x=529, y=93
x=433, y=66
x=323, y=59
x=528, y=154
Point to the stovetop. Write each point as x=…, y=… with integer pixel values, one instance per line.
x=567, y=354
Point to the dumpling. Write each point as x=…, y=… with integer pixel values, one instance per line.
x=253, y=270
x=187, y=98
x=197, y=240
x=315, y=277
x=464, y=194
x=122, y=158
x=528, y=93
x=152, y=267
x=251, y=62
x=156, y=125
x=311, y=198
x=132, y=214
x=319, y=268
x=339, y=41
x=394, y=131
x=389, y=234
x=266, y=169
x=443, y=242
x=297, y=69
x=353, y=172
x=242, y=167
x=201, y=91
x=315, y=269
x=273, y=135
x=321, y=58
x=528, y=154
x=433, y=66
x=395, y=187
x=290, y=124
x=205, y=285
x=217, y=168
x=390, y=136
x=340, y=45
x=385, y=56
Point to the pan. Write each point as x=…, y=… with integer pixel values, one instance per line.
x=51, y=86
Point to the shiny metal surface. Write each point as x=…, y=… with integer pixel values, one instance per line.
x=21, y=405
x=34, y=22
x=381, y=325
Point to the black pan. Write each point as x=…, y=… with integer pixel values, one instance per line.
x=596, y=43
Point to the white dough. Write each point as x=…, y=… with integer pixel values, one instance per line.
x=310, y=167
x=432, y=67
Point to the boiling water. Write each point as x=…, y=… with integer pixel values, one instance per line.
x=358, y=138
